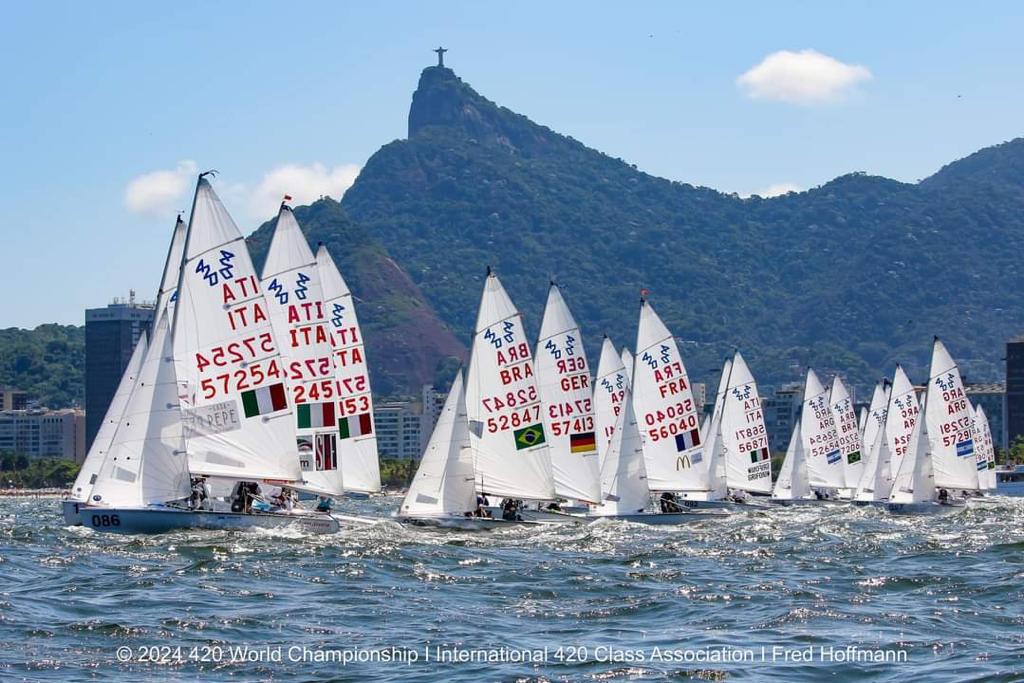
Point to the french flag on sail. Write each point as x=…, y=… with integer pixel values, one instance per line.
x=687, y=440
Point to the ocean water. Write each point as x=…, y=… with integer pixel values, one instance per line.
x=782, y=594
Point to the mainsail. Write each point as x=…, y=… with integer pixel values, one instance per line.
x=819, y=437
x=949, y=424
x=901, y=417
x=986, y=446
x=876, y=479
x=610, y=389
x=792, y=482
x=146, y=463
x=627, y=363
x=238, y=424
x=665, y=410
x=357, y=440
x=444, y=482
x=503, y=404
x=915, y=480
x=711, y=433
x=563, y=377
x=847, y=430
x=623, y=478
x=748, y=463
x=295, y=300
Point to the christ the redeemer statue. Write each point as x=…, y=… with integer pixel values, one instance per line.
x=440, y=56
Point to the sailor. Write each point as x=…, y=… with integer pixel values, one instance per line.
x=200, y=493
x=323, y=504
x=943, y=496
x=668, y=502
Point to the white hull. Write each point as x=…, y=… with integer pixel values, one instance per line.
x=654, y=517
x=806, y=501
x=463, y=523
x=69, y=508
x=925, y=508
x=158, y=520
x=539, y=516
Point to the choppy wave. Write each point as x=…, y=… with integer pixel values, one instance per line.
x=608, y=600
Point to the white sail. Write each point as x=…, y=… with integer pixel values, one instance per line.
x=949, y=424
x=902, y=416
x=748, y=463
x=295, y=299
x=610, y=389
x=97, y=454
x=444, y=482
x=627, y=363
x=792, y=482
x=623, y=478
x=146, y=464
x=238, y=424
x=986, y=449
x=862, y=422
x=711, y=436
x=876, y=479
x=567, y=398
x=847, y=430
x=915, y=480
x=665, y=410
x=357, y=446
x=101, y=442
x=503, y=404
x=819, y=437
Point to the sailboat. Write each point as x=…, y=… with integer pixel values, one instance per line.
x=567, y=399
x=742, y=432
x=792, y=487
x=986, y=450
x=848, y=433
x=357, y=438
x=298, y=316
x=627, y=363
x=233, y=420
x=443, y=492
x=508, y=435
x=87, y=476
x=941, y=455
x=875, y=479
x=674, y=454
x=820, y=440
x=610, y=387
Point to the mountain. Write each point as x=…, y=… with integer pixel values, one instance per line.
x=47, y=362
x=851, y=276
x=407, y=345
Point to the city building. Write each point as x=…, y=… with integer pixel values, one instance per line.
x=781, y=410
x=43, y=433
x=1014, y=415
x=13, y=399
x=433, y=404
x=111, y=334
x=991, y=397
x=397, y=425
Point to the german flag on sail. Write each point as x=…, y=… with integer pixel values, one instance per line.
x=311, y=415
x=355, y=425
x=582, y=443
x=758, y=455
x=527, y=437
x=264, y=400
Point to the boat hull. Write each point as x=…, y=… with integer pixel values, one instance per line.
x=924, y=508
x=70, y=510
x=707, y=504
x=539, y=516
x=789, y=502
x=158, y=520
x=654, y=518
x=463, y=523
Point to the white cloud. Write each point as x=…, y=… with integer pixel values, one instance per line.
x=160, y=192
x=804, y=77
x=776, y=190
x=305, y=184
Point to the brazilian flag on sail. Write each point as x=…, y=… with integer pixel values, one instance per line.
x=530, y=436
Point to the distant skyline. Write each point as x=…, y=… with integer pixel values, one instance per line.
x=111, y=108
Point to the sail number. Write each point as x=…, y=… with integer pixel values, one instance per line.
x=249, y=377
x=514, y=420
x=221, y=356
x=580, y=424
x=511, y=399
x=105, y=520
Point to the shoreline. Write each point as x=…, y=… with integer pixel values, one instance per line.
x=34, y=493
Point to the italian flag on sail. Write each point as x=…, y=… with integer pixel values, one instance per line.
x=264, y=400
x=355, y=425
x=758, y=455
x=315, y=415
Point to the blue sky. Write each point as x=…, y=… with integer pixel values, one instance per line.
x=296, y=96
